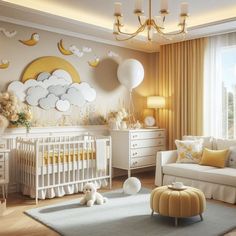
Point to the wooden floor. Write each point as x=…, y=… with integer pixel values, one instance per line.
x=16, y=223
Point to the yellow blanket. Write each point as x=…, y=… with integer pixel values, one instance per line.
x=47, y=158
x=50, y=158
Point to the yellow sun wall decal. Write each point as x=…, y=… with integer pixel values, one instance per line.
x=49, y=64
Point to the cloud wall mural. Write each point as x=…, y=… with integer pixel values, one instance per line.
x=55, y=90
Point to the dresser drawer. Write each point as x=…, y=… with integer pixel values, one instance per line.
x=143, y=161
x=2, y=175
x=147, y=143
x=2, y=166
x=2, y=157
x=147, y=135
x=138, y=152
x=3, y=144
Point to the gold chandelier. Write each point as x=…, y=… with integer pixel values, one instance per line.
x=151, y=24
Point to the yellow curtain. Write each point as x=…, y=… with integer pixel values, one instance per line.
x=180, y=81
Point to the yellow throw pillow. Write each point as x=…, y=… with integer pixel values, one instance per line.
x=189, y=151
x=216, y=158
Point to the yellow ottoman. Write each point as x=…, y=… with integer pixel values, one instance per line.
x=177, y=203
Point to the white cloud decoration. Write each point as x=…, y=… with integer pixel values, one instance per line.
x=55, y=90
x=74, y=96
x=34, y=94
x=48, y=102
x=76, y=51
x=87, y=49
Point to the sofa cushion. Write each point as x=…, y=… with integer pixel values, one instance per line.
x=207, y=140
x=189, y=151
x=225, y=176
x=217, y=158
x=186, y=170
x=232, y=157
x=224, y=143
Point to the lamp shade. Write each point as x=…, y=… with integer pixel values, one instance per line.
x=155, y=102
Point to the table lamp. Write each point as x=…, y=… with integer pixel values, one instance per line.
x=154, y=102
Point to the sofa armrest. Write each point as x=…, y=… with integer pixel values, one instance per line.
x=162, y=158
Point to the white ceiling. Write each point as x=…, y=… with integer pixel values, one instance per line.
x=93, y=19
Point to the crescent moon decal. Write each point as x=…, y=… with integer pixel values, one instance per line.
x=32, y=41
x=62, y=49
x=5, y=64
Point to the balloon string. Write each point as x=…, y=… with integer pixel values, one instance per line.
x=131, y=110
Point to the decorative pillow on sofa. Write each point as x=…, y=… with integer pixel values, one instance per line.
x=223, y=143
x=232, y=157
x=189, y=151
x=216, y=158
x=207, y=140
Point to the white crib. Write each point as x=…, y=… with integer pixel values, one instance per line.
x=54, y=166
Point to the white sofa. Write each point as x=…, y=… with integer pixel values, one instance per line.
x=216, y=183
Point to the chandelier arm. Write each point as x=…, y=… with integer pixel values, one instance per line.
x=159, y=30
x=157, y=26
x=139, y=20
x=141, y=29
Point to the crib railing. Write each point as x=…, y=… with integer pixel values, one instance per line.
x=54, y=166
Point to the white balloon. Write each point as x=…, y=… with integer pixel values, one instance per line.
x=130, y=73
x=132, y=186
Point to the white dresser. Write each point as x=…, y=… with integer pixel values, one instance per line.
x=4, y=171
x=133, y=149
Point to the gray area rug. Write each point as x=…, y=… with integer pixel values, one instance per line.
x=130, y=215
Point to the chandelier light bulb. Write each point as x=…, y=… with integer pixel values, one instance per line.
x=118, y=8
x=164, y=5
x=184, y=8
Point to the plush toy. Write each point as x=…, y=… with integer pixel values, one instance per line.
x=92, y=196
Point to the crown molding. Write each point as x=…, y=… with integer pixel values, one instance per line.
x=101, y=34
x=137, y=46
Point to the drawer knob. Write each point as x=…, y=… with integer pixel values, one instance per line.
x=1, y=167
x=135, y=153
x=135, y=136
x=135, y=163
x=135, y=145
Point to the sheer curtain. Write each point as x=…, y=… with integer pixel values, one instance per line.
x=213, y=80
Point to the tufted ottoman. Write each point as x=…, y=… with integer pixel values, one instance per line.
x=177, y=203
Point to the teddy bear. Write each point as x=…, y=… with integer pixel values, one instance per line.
x=91, y=196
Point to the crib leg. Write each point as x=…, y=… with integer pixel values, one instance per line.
x=36, y=197
x=110, y=183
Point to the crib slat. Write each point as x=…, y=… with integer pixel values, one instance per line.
x=53, y=164
x=64, y=174
x=74, y=156
x=42, y=161
x=58, y=164
x=47, y=155
x=68, y=162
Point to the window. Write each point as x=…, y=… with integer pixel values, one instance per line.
x=228, y=73
x=220, y=86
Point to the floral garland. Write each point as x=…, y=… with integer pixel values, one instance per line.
x=12, y=110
